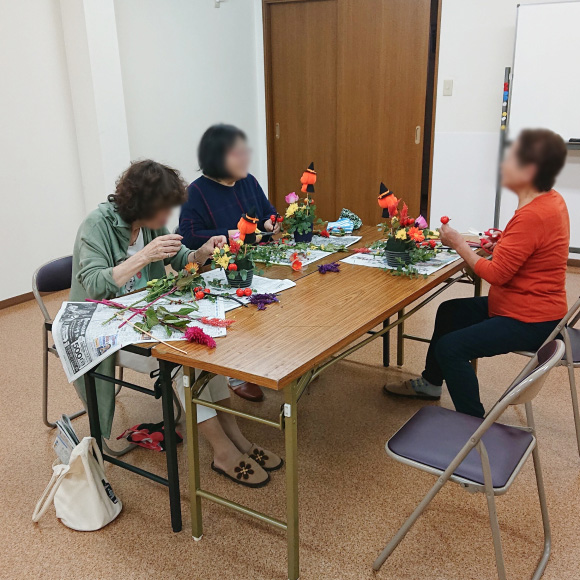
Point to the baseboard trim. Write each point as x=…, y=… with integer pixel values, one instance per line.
x=573, y=263
x=16, y=300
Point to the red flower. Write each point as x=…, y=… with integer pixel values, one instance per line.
x=294, y=257
x=234, y=246
x=296, y=265
x=324, y=233
x=196, y=334
x=362, y=250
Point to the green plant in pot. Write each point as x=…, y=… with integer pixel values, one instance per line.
x=237, y=260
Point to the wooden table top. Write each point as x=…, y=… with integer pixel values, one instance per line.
x=314, y=320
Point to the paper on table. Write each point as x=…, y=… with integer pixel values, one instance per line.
x=260, y=285
x=315, y=255
x=440, y=261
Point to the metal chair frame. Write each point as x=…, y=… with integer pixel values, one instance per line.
x=569, y=321
x=46, y=349
x=522, y=390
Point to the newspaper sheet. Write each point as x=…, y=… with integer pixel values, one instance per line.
x=216, y=279
x=83, y=337
x=425, y=268
x=316, y=255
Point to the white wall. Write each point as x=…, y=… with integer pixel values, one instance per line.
x=476, y=44
x=187, y=65
x=40, y=182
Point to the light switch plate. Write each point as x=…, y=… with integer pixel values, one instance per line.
x=448, y=87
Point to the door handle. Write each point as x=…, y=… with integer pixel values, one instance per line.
x=417, y=134
x=277, y=130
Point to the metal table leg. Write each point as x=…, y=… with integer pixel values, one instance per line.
x=401, y=339
x=170, y=444
x=291, y=436
x=193, y=454
x=93, y=409
x=386, y=345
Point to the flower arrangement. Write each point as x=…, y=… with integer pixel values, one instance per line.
x=408, y=240
x=237, y=260
x=300, y=214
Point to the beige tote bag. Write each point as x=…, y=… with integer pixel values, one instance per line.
x=83, y=498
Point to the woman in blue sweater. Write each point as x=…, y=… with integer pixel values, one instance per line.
x=225, y=191
x=218, y=198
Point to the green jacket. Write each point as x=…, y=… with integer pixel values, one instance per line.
x=101, y=244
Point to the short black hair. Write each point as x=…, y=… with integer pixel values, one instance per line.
x=213, y=148
x=544, y=149
x=145, y=188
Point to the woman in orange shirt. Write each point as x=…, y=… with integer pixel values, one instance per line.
x=527, y=274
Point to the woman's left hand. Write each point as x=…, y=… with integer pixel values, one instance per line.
x=272, y=227
x=203, y=254
x=450, y=237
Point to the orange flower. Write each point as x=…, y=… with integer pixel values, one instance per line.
x=296, y=265
x=191, y=268
x=416, y=234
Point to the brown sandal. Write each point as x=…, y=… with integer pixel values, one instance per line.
x=245, y=472
x=265, y=459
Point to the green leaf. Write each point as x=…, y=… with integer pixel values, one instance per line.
x=168, y=330
x=187, y=310
x=151, y=318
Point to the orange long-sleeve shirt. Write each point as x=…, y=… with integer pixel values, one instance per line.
x=528, y=270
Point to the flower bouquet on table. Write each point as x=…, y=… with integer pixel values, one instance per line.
x=237, y=261
x=301, y=212
x=408, y=240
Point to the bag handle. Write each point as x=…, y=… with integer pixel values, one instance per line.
x=98, y=454
x=58, y=474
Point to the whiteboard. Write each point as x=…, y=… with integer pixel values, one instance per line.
x=545, y=87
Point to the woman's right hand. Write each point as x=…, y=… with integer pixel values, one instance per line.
x=161, y=248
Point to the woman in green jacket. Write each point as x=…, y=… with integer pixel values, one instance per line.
x=122, y=245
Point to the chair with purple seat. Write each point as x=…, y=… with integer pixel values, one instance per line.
x=479, y=454
x=54, y=276
x=571, y=359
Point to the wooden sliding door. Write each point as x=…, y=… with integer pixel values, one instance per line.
x=302, y=123
x=349, y=86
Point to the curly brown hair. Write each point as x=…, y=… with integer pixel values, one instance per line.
x=145, y=188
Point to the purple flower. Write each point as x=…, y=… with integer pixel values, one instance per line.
x=332, y=267
x=260, y=300
x=421, y=222
x=291, y=197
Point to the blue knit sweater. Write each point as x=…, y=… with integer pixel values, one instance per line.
x=212, y=208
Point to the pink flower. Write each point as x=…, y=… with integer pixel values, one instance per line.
x=196, y=334
x=291, y=198
x=421, y=222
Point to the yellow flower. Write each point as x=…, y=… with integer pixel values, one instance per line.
x=291, y=209
x=223, y=262
x=226, y=248
x=401, y=234
x=216, y=253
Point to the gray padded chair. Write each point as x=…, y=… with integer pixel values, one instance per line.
x=571, y=359
x=479, y=454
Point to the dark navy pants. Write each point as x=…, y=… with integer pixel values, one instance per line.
x=464, y=331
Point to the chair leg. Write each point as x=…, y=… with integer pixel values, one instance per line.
x=545, y=518
x=45, y=380
x=493, y=521
x=390, y=547
x=45, y=385
x=495, y=532
x=572, y=379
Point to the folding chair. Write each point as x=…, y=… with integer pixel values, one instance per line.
x=55, y=276
x=571, y=359
x=442, y=442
